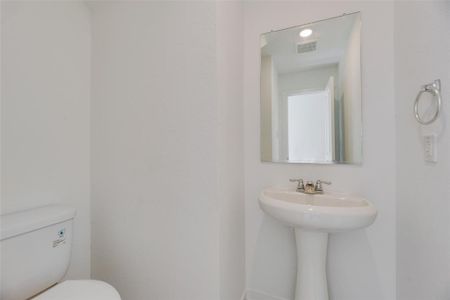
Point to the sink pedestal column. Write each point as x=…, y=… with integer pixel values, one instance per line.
x=311, y=265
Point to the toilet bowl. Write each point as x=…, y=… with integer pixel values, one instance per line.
x=36, y=248
x=80, y=290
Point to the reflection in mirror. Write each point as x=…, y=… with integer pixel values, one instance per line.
x=311, y=92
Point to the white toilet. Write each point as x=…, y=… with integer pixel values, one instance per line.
x=35, y=247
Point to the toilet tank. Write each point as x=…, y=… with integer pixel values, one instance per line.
x=35, y=248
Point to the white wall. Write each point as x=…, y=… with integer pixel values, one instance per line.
x=361, y=263
x=422, y=54
x=230, y=148
x=45, y=113
x=167, y=151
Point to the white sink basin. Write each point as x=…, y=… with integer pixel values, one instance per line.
x=313, y=218
x=321, y=212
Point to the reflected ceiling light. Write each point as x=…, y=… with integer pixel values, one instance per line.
x=305, y=32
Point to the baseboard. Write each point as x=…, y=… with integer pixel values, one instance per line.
x=259, y=295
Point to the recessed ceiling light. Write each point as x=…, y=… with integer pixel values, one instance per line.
x=305, y=32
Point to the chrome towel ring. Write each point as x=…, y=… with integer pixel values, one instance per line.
x=433, y=88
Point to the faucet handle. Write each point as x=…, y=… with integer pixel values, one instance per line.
x=319, y=183
x=300, y=185
x=323, y=181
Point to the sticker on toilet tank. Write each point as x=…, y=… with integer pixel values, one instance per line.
x=61, y=238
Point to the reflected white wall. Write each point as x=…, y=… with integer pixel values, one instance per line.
x=267, y=84
x=350, y=93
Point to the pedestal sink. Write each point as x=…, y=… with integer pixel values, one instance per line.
x=313, y=218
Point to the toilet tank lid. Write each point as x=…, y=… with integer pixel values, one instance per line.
x=17, y=223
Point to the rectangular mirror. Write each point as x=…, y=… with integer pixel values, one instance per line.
x=311, y=92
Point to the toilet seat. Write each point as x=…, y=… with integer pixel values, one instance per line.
x=80, y=290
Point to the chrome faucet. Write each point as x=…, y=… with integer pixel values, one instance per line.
x=300, y=185
x=309, y=187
